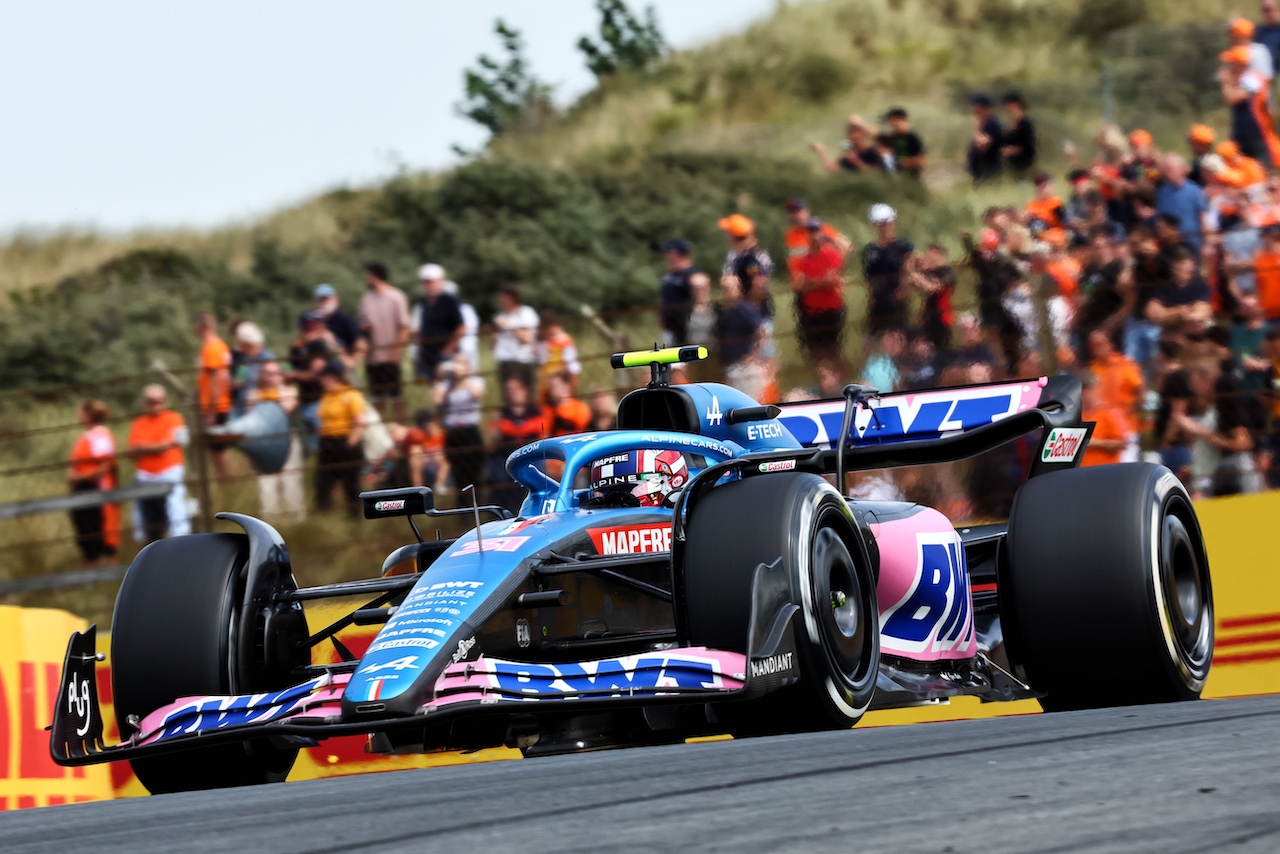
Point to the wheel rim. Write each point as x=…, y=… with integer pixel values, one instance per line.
x=1188, y=600
x=841, y=603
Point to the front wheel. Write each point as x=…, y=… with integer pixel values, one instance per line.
x=172, y=636
x=1107, y=589
x=802, y=521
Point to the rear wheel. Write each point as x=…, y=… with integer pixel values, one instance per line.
x=802, y=521
x=1107, y=590
x=174, y=635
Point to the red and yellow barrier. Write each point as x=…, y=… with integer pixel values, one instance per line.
x=32, y=645
x=1240, y=532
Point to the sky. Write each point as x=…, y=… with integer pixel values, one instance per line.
x=137, y=114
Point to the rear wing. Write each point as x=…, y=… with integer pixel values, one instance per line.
x=941, y=425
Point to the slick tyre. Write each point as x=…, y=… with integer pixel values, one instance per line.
x=801, y=520
x=173, y=636
x=1106, y=589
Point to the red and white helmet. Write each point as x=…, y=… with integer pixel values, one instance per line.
x=646, y=476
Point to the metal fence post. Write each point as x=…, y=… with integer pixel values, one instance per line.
x=200, y=450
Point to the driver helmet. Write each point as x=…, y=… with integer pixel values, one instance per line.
x=646, y=476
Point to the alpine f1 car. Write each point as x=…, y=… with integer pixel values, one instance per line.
x=693, y=572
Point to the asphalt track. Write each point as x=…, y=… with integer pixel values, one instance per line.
x=1185, y=778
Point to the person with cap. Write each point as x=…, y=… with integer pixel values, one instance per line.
x=1200, y=140
x=906, y=145
x=1267, y=33
x=313, y=348
x=1176, y=196
x=343, y=416
x=344, y=328
x=818, y=283
x=748, y=263
x=1241, y=32
x=436, y=324
x=558, y=352
x=797, y=236
x=741, y=337
x=983, y=157
x=675, y=293
x=1247, y=94
x=882, y=263
x=1240, y=172
x=1018, y=145
x=860, y=152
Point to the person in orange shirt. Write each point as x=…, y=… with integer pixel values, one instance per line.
x=1119, y=385
x=214, y=382
x=156, y=440
x=1241, y=172
x=92, y=468
x=565, y=413
x=1109, y=431
x=1247, y=94
x=1046, y=206
x=1266, y=272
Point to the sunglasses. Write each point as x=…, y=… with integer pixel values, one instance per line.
x=151, y=401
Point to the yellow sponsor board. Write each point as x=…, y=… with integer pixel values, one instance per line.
x=32, y=644
x=1241, y=534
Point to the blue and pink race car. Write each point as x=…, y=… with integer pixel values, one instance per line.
x=697, y=571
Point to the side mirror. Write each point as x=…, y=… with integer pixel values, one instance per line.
x=411, y=501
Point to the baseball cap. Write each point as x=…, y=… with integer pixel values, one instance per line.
x=895, y=113
x=1139, y=137
x=310, y=317
x=676, y=244
x=737, y=225
x=324, y=290
x=794, y=205
x=1240, y=28
x=1227, y=149
x=430, y=273
x=1238, y=55
x=1042, y=178
x=1201, y=133
x=882, y=213
x=1077, y=175
x=981, y=99
x=814, y=224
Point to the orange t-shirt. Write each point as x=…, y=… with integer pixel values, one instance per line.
x=214, y=357
x=1108, y=425
x=1266, y=275
x=1065, y=274
x=153, y=430
x=571, y=416
x=1046, y=210
x=94, y=447
x=1119, y=385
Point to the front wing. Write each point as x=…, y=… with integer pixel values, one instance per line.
x=312, y=709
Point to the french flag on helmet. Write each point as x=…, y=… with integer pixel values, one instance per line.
x=648, y=476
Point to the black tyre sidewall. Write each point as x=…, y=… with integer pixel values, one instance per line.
x=173, y=636
x=738, y=526
x=1081, y=592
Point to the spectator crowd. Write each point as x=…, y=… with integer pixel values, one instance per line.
x=1153, y=275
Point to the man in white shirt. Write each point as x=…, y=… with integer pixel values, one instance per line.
x=515, y=342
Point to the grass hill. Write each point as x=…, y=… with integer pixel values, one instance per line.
x=574, y=209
